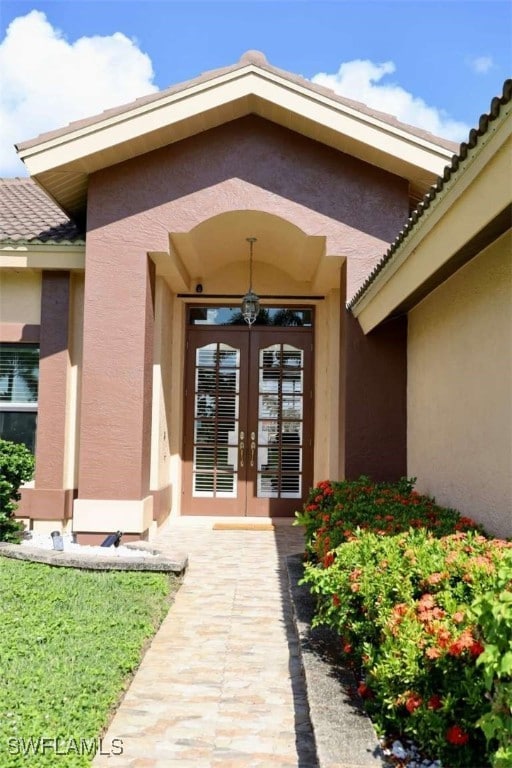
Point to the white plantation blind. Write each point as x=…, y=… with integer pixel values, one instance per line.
x=19, y=373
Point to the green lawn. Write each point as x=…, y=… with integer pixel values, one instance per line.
x=69, y=642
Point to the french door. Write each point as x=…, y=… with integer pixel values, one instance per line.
x=248, y=420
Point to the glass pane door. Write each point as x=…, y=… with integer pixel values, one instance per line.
x=248, y=421
x=280, y=421
x=216, y=421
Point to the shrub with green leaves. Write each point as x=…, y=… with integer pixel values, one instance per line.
x=16, y=467
x=402, y=607
x=493, y=613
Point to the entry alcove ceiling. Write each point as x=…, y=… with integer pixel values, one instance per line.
x=216, y=254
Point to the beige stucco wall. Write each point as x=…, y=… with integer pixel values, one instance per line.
x=76, y=323
x=162, y=387
x=20, y=296
x=459, y=390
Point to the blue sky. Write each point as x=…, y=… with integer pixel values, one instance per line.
x=434, y=64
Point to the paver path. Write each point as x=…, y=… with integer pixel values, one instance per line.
x=221, y=684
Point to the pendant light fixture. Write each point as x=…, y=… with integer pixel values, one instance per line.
x=250, y=302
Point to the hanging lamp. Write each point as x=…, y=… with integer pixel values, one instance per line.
x=250, y=302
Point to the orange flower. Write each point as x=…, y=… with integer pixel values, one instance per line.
x=412, y=702
x=432, y=653
x=426, y=601
x=443, y=638
x=336, y=601
x=463, y=643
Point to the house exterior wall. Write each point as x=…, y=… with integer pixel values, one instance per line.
x=47, y=307
x=459, y=391
x=249, y=164
x=132, y=208
x=375, y=419
x=20, y=302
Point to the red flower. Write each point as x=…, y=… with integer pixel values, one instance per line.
x=435, y=702
x=336, y=601
x=476, y=649
x=364, y=691
x=328, y=560
x=412, y=702
x=347, y=648
x=456, y=735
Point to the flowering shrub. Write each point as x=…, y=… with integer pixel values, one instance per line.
x=335, y=510
x=399, y=592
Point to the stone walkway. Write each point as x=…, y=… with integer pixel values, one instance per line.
x=221, y=684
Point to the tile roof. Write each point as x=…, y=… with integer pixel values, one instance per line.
x=28, y=215
x=450, y=171
x=259, y=60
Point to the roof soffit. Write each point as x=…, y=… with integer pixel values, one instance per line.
x=479, y=177
x=62, y=160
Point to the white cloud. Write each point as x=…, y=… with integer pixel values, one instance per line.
x=48, y=82
x=361, y=80
x=481, y=64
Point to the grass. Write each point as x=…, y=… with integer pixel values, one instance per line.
x=69, y=642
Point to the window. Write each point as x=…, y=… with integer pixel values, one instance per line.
x=297, y=317
x=19, y=377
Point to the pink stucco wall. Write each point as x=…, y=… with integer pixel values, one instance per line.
x=249, y=164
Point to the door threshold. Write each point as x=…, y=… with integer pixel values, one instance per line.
x=233, y=523
x=243, y=526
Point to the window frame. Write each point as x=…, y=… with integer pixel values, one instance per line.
x=23, y=406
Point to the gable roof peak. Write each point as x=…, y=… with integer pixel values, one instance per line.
x=253, y=57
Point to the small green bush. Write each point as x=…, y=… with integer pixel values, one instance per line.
x=16, y=467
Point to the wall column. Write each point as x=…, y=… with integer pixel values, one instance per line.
x=49, y=499
x=374, y=392
x=115, y=423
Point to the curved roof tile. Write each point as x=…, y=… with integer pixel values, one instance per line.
x=28, y=215
x=474, y=136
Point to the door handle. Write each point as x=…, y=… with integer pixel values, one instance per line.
x=253, y=447
x=242, y=449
